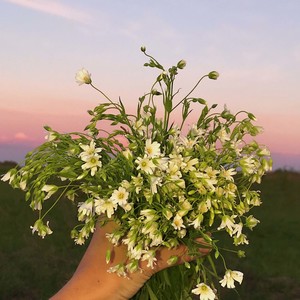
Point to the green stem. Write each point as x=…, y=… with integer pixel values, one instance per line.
x=190, y=91
x=62, y=193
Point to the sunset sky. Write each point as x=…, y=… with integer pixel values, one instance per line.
x=253, y=44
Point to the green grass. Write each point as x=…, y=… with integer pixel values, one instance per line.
x=32, y=268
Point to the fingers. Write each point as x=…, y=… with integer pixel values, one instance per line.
x=179, y=255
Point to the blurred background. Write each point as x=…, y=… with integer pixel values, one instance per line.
x=254, y=45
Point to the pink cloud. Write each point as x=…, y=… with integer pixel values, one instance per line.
x=53, y=8
x=21, y=136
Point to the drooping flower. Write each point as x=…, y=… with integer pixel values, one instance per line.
x=83, y=77
x=41, y=228
x=85, y=209
x=204, y=291
x=50, y=189
x=228, y=223
x=10, y=175
x=197, y=221
x=251, y=222
x=149, y=256
x=229, y=278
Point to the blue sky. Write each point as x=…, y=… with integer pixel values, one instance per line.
x=254, y=45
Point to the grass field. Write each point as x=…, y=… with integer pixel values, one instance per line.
x=32, y=268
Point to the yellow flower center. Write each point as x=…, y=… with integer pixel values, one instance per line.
x=93, y=160
x=144, y=164
x=121, y=195
x=204, y=288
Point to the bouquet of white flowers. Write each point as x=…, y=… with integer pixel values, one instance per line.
x=163, y=187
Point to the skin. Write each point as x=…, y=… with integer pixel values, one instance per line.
x=92, y=281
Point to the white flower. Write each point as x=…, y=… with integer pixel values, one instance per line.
x=178, y=160
x=136, y=252
x=248, y=165
x=92, y=162
x=197, y=222
x=127, y=153
x=173, y=171
x=227, y=174
x=50, y=136
x=145, y=164
x=138, y=125
x=238, y=229
x=187, y=143
x=182, y=233
x=23, y=184
x=137, y=182
x=240, y=240
x=127, y=206
x=41, y=228
x=211, y=172
x=156, y=238
x=228, y=224
x=80, y=240
x=50, y=189
x=10, y=175
x=150, y=214
x=264, y=152
x=114, y=237
x=223, y=135
x=105, y=206
x=89, y=150
x=230, y=277
x=162, y=163
x=152, y=149
x=83, y=77
x=205, y=292
x=119, y=269
x=85, y=209
x=251, y=222
x=150, y=257
x=178, y=222
x=154, y=182
x=195, y=131
x=150, y=228
x=120, y=196
x=190, y=163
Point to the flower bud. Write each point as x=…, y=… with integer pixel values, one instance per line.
x=108, y=256
x=155, y=92
x=143, y=49
x=181, y=64
x=241, y=254
x=83, y=77
x=172, y=260
x=213, y=75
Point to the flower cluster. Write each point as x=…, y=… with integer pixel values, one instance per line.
x=167, y=184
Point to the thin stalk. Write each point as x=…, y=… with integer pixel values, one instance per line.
x=190, y=91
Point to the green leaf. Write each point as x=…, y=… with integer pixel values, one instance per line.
x=166, y=277
x=151, y=293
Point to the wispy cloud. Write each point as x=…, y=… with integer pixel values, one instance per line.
x=53, y=8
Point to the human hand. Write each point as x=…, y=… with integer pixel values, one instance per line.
x=92, y=281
